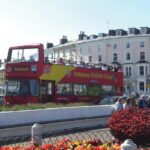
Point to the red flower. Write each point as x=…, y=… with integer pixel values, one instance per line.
x=133, y=123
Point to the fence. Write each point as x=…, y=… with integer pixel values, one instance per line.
x=78, y=135
x=52, y=137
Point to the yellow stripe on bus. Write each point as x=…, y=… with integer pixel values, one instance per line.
x=57, y=72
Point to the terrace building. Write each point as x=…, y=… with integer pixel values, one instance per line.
x=130, y=49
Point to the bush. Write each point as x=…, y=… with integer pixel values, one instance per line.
x=132, y=123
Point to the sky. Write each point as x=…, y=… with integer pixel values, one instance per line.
x=42, y=21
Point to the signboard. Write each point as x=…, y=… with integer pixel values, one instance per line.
x=21, y=69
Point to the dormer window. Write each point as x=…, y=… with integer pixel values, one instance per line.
x=145, y=30
x=132, y=31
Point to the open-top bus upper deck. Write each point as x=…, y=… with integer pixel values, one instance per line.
x=47, y=81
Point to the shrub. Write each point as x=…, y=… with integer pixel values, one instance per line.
x=132, y=123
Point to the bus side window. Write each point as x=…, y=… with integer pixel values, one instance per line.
x=22, y=59
x=25, y=88
x=64, y=90
x=43, y=88
x=31, y=59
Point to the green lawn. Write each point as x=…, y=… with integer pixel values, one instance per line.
x=41, y=106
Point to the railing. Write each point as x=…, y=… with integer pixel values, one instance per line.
x=75, y=135
x=78, y=135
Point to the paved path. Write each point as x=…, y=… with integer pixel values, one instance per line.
x=50, y=127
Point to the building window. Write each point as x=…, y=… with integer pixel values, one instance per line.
x=141, y=86
x=141, y=70
x=99, y=58
x=115, y=46
x=142, y=44
x=99, y=48
x=142, y=55
x=115, y=57
x=127, y=45
x=90, y=59
x=89, y=49
x=130, y=72
x=146, y=70
x=81, y=59
x=108, y=45
x=80, y=50
x=128, y=56
x=127, y=71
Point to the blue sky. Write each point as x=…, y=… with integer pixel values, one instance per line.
x=42, y=21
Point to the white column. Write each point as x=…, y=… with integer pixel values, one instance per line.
x=128, y=145
x=36, y=134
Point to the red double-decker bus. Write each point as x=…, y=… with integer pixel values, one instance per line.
x=30, y=78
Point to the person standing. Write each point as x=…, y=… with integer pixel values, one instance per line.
x=148, y=102
x=142, y=102
x=133, y=101
x=119, y=104
x=128, y=103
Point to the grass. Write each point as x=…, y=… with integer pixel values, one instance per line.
x=41, y=106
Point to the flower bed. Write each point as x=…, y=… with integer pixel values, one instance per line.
x=132, y=123
x=67, y=144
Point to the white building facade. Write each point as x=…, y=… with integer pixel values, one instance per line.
x=129, y=48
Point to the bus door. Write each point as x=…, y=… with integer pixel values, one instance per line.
x=47, y=91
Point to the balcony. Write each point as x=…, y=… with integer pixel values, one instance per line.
x=133, y=77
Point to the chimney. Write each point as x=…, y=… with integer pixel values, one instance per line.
x=81, y=35
x=63, y=40
x=49, y=45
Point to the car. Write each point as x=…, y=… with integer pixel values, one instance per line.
x=109, y=100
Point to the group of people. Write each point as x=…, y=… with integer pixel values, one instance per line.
x=101, y=66
x=132, y=101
